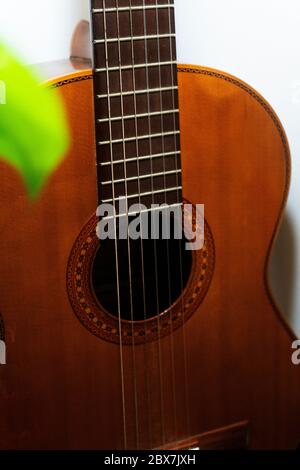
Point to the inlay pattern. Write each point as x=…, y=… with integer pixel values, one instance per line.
x=105, y=326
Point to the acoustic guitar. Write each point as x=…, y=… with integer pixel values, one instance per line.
x=141, y=343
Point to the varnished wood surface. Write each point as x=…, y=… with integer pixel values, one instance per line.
x=61, y=385
x=234, y=437
x=80, y=44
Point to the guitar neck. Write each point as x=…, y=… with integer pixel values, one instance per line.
x=136, y=101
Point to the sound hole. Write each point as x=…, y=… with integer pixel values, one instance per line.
x=152, y=275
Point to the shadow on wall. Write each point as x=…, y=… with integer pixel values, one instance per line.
x=282, y=272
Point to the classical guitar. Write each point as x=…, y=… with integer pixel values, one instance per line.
x=141, y=343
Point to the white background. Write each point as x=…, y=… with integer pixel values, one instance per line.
x=258, y=41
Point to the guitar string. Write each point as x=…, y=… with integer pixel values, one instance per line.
x=184, y=340
x=128, y=238
x=146, y=369
x=115, y=228
x=165, y=214
x=155, y=247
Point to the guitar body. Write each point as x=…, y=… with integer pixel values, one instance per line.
x=231, y=366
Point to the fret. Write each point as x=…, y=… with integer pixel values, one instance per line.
x=122, y=177
x=139, y=185
x=140, y=47
x=134, y=178
x=141, y=147
x=137, y=92
x=139, y=116
x=143, y=157
x=145, y=102
x=148, y=193
x=132, y=8
x=142, y=167
x=133, y=38
x=139, y=137
x=124, y=83
x=133, y=129
x=136, y=66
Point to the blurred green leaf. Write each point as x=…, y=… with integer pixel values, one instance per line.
x=34, y=134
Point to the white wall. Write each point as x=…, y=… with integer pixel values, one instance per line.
x=259, y=41
x=40, y=29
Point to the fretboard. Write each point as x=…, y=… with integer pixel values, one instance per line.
x=136, y=101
